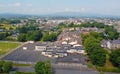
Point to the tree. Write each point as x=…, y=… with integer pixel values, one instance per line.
x=84, y=37
x=91, y=43
x=6, y=67
x=93, y=24
x=34, y=36
x=71, y=25
x=95, y=52
x=98, y=36
x=3, y=35
x=27, y=28
x=22, y=29
x=43, y=67
x=111, y=33
x=22, y=37
x=1, y=66
x=98, y=57
x=49, y=36
x=115, y=57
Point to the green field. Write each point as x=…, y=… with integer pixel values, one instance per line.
x=7, y=46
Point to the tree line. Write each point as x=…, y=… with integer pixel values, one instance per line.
x=95, y=52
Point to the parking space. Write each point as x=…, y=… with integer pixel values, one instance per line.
x=29, y=55
x=73, y=59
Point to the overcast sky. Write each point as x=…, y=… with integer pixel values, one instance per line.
x=109, y=7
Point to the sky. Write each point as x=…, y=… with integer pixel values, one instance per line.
x=107, y=7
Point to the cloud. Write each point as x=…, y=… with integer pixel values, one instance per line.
x=29, y=5
x=17, y=4
x=74, y=10
x=83, y=9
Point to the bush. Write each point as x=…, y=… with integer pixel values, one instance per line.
x=1, y=66
x=23, y=73
x=98, y=57
x=5, y=66
x=43, y=68
x=115, y=58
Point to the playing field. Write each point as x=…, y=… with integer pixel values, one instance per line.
x=7, y=46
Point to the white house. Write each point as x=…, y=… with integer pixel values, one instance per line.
x=40, y=48
x=64, y=42
x=72, y=51
x=73, y=42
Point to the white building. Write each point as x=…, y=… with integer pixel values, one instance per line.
x=40, y=48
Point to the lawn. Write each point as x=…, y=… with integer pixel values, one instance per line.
x=17, y=64
x=7, y=46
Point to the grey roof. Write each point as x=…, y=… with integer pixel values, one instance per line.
x=115, y=42
x=104, y=42
x=79, y=47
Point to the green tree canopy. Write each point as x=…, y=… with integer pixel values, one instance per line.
x=34, y=36
x=5, y=66
x=43, y=67
x=98, y=57
x=91, y=43
x=95, y=52
x=22, y=38
x=111, y=33
x=115, y=57
x=50, y=36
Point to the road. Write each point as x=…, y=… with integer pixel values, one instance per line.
x=61, y=71
x=57, y=71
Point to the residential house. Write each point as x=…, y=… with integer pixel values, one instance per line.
x=40, y=48
x=110, y=44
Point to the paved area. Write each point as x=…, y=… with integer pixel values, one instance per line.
x=61, y=71
x=24, y=69
x=112, y=73
x=32, y=56
x=73, y=58
x=57, y=71
x=29, y=55
x=64, y=65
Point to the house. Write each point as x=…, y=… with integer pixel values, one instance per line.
x=31, y=42
x=47, y=53
x=54, y=54
x=40, y=48
x=72, y=50
x=1, y=30
x=115, y=44
x=77, y=49
x=110, y=44
x=89, y=29
x=71, y=38
x=64, y=42
x=61, y=54
x=104, y=43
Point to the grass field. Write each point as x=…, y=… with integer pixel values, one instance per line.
x=17, y=64
x=7, y=26
x=7, y=46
